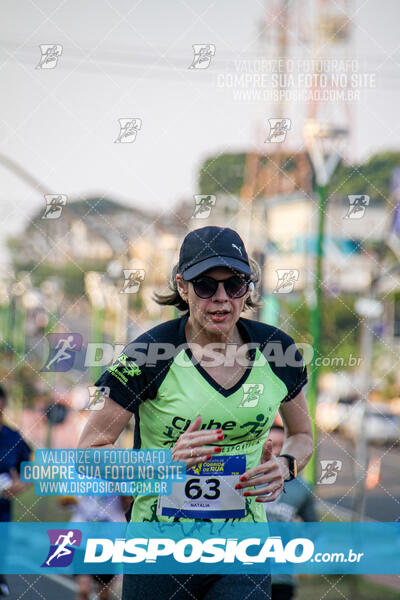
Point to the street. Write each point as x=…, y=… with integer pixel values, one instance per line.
x=38, y=586
x=61, y=587
x=383, y=502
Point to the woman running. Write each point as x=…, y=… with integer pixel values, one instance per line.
x=208, y=385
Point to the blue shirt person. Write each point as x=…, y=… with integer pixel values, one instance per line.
x=13, y=451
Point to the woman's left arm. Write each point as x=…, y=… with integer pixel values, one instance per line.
x=298, y=439
x=272, y=470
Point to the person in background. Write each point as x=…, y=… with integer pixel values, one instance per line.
x=13, y=451
x=101, y=509
x=297, y=502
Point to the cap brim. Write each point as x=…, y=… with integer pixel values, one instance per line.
x=216, y=261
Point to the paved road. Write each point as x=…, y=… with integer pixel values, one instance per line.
x=59, y=587
x=37, y=587
x=383, y=502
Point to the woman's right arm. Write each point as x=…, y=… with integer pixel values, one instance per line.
x=104, y=426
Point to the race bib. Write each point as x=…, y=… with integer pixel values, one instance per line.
x=208, y=492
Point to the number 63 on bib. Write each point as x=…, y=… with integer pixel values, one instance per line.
x=208, y=492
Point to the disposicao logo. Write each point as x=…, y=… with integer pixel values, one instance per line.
x=190, y=550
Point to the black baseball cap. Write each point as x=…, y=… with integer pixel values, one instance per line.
x=209, y=247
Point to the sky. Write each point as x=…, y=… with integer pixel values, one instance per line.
x=130, y=59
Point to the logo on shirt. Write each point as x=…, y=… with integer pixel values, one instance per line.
x=123, y=368
x=63, y=543
x=251, y=394
x=254, y=429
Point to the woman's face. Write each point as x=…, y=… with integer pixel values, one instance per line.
x=203, y=312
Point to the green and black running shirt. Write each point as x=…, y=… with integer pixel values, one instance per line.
x=158, y=379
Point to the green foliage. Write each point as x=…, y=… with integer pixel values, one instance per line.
x=371, y=178
x=222, y=174
x=136, y=302
x=295, y=318
x=225, y=174
x=340, y=327
x=30, y=507
x=340, y=331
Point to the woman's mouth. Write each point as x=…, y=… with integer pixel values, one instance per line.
x=219, y=316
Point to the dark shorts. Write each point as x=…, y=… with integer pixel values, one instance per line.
x=280, y=591
x=103, y=580
x=197, y=587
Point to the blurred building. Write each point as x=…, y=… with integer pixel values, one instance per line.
x=280, y=228
x=91, y=233
x=88, y=229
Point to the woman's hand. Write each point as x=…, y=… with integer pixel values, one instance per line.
x=192, y=446
x=268, y=472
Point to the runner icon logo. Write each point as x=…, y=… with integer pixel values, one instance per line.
x=62, y=547
x=97, y=397
x=50, y=54
x=278, y=130
x=286, y=280
x=358, y=205
x=251, y=394
x=63, y=347
x=133, y=279
x=330, y=469
x=54, y=205
x=128, y=129
x=203, y=205
x=203, y=54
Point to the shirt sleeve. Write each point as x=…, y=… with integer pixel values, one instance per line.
x=284, y=359
x=138, y=372
x=296, y=376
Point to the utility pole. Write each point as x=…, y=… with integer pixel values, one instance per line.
x=324, y=158
x=316, y=310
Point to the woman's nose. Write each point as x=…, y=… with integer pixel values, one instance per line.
x=220, y=293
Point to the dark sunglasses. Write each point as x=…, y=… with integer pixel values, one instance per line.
x=235, y=286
